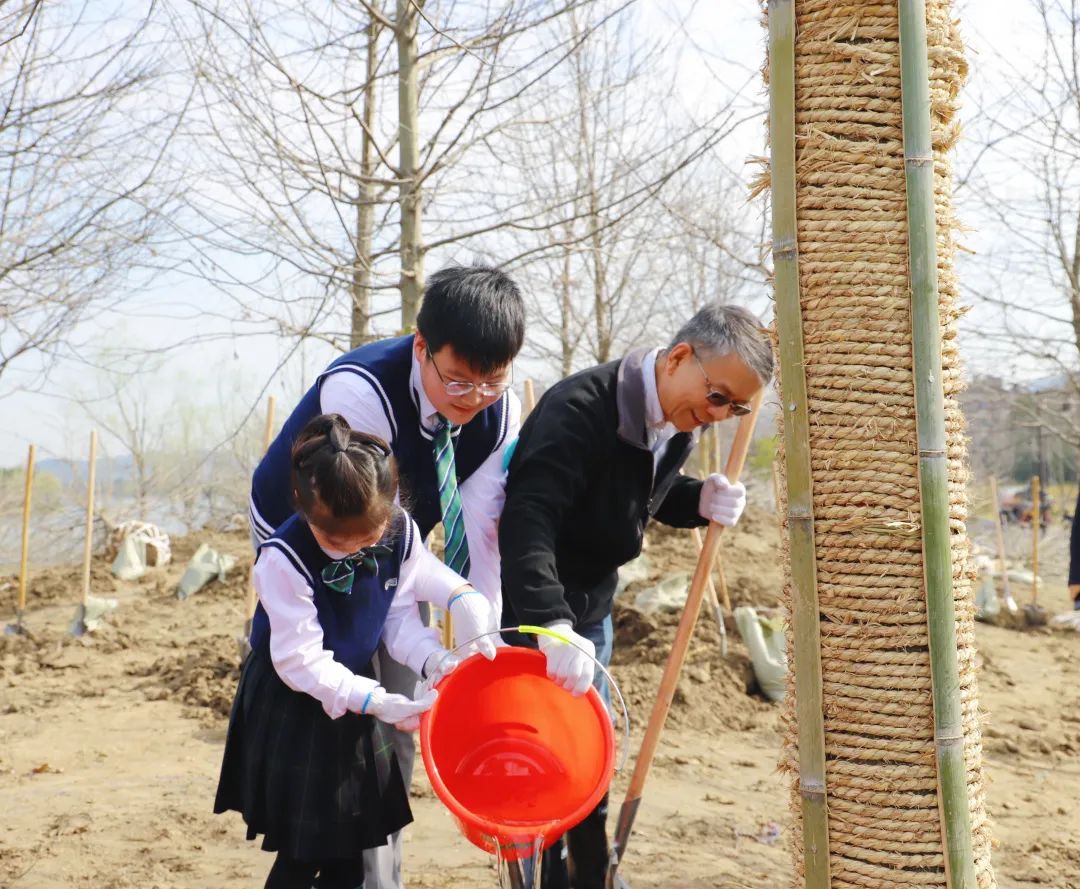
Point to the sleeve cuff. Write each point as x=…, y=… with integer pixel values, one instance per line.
x=422, y=650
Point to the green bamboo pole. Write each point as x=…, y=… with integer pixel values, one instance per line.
x=806, y=620
x=933, y=463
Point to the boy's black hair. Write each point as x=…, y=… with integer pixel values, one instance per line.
x=478, y=310
x=351, y=473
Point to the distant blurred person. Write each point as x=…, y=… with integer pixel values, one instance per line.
x=1074, y=558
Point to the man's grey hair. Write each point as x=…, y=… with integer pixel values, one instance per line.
x=718, y=329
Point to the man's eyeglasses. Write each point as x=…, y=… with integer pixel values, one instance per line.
x=458, y=388
x=719, y=399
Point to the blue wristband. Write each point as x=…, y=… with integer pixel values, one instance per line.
x=367, y=700
x=457, y=596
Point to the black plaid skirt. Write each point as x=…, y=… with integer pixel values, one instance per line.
x=316, y=788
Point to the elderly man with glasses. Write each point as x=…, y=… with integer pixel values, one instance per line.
x=596, y=460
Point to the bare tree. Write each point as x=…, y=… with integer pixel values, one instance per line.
x=304, y=201
x=85, y=184
x=1024, y=184
x=618, y=181
x=127, y=406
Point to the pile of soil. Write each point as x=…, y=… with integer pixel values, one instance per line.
x=57, y=584
x=747, y=559
x=112, y=741
x=713, y=692
x=203, y=675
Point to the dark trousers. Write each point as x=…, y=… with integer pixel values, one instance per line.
x=290, y=873
x=579, y=860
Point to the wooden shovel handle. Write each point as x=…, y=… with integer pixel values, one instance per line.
x=736, y=460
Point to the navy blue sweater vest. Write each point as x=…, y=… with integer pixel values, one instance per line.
x=387, y=366
x=352, y=623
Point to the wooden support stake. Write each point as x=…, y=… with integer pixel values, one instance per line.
x=268, y=431
x=710, y=590
x=88, y=546
x=530, y=397
x=999, y=533
x=1036, y=526
x=799, y=519
x=710, y=587
x=954, y=805
x=447, y=631
x=24, y=550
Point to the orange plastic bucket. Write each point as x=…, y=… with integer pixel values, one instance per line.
x=514, y=757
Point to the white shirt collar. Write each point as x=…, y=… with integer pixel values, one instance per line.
x=428, y=413
x=654, y=414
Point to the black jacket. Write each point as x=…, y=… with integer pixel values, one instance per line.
x=580, y=492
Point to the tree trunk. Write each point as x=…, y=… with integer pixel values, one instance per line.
x=903, y=780
x=565, y=314
x=1072, y=271
x=360, y=328
x=600, y=308
x=412, y=255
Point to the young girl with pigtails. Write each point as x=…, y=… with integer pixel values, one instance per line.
x=307, y=759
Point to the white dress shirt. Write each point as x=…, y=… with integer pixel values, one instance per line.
x=658, y=431
x=296, y=637
x=482, y=493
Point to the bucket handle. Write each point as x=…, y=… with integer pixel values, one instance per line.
x=529, y=629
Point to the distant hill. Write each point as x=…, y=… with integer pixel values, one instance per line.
x=108, y=468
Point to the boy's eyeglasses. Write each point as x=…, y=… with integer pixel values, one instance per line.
x=719, y=399
x=458, y=388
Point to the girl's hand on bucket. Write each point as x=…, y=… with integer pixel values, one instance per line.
x=398, y=710
x=569, y=665
x=474, y=616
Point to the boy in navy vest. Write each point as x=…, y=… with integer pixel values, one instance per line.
x=440, y=397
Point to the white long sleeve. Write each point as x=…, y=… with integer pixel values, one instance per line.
x=482, y=496
x=356, y=400
x=422, y=577
x=296, y=638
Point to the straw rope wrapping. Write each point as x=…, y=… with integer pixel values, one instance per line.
x=884, y=828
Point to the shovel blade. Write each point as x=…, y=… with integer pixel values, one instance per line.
x=78, y=624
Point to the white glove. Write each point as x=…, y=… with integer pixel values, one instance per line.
x=567, y=665
x=401, y=712
x=438, y=664
x=473, y=616
x=721, y=501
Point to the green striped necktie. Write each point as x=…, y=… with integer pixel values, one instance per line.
x=456, y=550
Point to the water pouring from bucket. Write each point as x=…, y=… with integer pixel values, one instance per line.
x=516, y=759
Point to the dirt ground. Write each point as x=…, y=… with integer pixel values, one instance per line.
x=110, y=744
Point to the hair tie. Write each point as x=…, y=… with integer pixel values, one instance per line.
x=379, y=447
